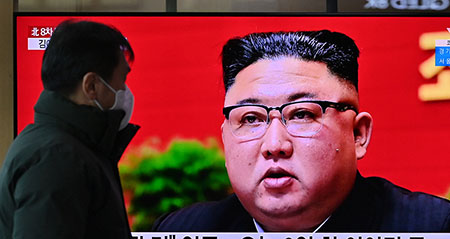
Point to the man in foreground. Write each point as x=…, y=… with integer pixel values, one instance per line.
x=292, y=136
x=60, y=177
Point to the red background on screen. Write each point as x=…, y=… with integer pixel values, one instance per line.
x=176, y=80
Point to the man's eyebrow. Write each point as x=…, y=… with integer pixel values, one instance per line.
x=248, y=101
x=292, y=97
x=297, y=96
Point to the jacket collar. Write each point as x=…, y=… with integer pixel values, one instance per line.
x=95, y=128
x=359, y=212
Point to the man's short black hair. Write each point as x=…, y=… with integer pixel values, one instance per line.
x=79, y=47
x=338, y=51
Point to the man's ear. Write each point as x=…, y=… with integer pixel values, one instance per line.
x=89, y=85
x=221, y=129
x=362, y=130
x=223, y=142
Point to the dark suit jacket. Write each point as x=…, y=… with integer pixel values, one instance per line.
x=374, y=205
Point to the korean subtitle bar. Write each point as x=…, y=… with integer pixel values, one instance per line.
x=38, y=43
x=208, y=235
x=442, y=42
x=40, y=31
x=442, y=52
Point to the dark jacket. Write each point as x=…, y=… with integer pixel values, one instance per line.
x=60, y=177
x=374, y=205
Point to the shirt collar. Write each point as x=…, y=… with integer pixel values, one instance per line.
x=259, y=229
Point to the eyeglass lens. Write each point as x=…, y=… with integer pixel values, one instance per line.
x=301, y=119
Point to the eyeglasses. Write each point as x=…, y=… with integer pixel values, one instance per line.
x=301, y=118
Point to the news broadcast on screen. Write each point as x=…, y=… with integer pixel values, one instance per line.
x=252, y=123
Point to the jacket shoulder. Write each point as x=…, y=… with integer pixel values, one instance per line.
x=41, y=154
x=404, y=210
x=37, y=139
x=377, y=205
x=220, y=216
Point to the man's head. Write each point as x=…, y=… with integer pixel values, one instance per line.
x=336, y=50
x=292, y=164
x=80, y=55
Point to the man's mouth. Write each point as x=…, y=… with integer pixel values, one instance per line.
x=277, y=178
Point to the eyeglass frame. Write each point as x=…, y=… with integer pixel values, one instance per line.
x=341, y=107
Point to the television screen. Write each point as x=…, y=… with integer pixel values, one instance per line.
x=177, y=82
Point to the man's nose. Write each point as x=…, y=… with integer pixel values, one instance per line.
x=276, y=141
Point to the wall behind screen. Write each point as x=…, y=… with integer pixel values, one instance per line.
x=174, y=5
x=6, y=78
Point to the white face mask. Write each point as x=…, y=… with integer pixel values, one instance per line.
x=124, y=101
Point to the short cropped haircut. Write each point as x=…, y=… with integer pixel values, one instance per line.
x=338, y=51
x=79, y=47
